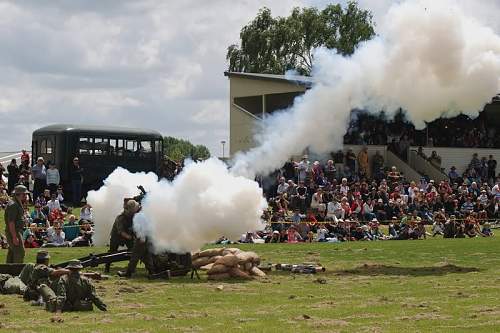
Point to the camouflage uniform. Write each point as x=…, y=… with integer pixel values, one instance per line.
x=40, y=275
x=71, y=292
x=15, y=212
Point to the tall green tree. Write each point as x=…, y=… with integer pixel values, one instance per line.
x=179, y=149
x=276, y=44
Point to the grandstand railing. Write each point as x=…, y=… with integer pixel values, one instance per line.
x=424, y=167
x=403, y=167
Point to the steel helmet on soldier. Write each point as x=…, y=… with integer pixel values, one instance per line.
x=131, y=206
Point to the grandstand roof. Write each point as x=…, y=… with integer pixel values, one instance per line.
x=306, y=81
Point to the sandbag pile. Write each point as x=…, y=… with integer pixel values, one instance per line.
x=222, y=263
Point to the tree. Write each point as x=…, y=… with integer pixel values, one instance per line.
x=276, y=45
x=179, y=149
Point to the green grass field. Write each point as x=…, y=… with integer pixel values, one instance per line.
x=393, y=286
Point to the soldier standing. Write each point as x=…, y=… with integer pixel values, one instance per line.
x=72, y=292
x=14, y=224
x=122, y=232
x=41, y=274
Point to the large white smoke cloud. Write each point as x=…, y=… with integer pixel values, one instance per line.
x=429, y=58
x=107, y=202
x=202, y=204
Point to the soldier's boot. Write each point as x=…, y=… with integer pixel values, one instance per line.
x=38, y=302
x=126, y=274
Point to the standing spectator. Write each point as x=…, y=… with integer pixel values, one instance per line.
x=25, y=157
x=2, y=170
x=453, y=175
x=282, y=186
x=330, y=171
x=338, y=159
x=302, y=167
x=475, y=163
x=350, y=161
x=76, y=176
x=377, y=163
x=39, y=173
x=13, y=177
x=53, y=178
x=492, y=166
x=363, y=162
x=289, y=169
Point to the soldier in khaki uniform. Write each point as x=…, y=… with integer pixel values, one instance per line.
x=122, y=232
x=14, y=224
x=72, y=292
x=41, y=273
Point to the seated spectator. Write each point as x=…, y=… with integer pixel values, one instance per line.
x=53, y=203
x=317, y=201
x=86, y=213
x=292, y=235
x=30, y=242
x=56, y=238
x=394, y=176
x=486, y=230
x=38, y=216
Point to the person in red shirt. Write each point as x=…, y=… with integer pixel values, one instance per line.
x=31, y=243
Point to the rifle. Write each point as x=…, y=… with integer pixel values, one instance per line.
x=301, y=268
x=94, y=260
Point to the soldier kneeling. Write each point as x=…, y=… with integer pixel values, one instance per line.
x=72, y=292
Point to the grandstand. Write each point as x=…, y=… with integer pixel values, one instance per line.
x=253, y=96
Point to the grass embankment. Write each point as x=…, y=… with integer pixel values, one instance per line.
x=392, y=286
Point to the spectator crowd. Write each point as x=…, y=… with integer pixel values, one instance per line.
x=350, y=197
x=460, y=131
x=48, y=216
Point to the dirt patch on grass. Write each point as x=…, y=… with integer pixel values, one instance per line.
x=380, y=269
x=327, y=323
x=424, y=316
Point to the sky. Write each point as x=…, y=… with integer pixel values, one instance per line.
x=151, y=64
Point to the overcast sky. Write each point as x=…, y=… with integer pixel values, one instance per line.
x=153, y=64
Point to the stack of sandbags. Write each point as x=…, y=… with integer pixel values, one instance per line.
x=222, y=263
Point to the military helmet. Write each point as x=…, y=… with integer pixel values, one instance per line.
x=131, y=205
x=74, y=264
x=42, y=255
x=20, y=189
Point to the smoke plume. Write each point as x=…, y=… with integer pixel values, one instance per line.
x=107, y=202
x=429, y=58
x=202, y=204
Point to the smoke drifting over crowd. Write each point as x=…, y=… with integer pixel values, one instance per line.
x=429, y=58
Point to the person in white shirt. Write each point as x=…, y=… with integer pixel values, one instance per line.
x=317, y=201
x=282, y=186
x=344, y=188
x=302, y=168
x=53, y=203
x=87, y=213
x=334, y=210
x=321, y=234
x=53, y=178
